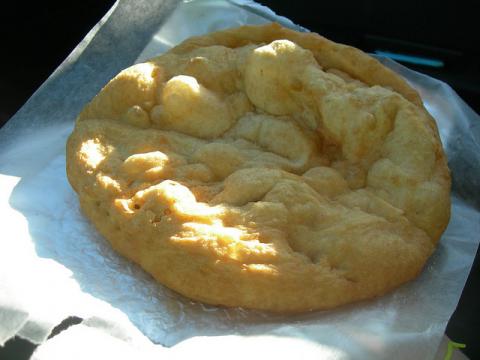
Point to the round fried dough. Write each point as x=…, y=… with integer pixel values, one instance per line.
x=264, y=168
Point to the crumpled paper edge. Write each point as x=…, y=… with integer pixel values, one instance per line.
x=29, y=122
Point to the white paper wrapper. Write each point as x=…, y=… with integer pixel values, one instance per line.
x=53, y=264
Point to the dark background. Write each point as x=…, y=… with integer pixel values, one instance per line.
x=36, y=37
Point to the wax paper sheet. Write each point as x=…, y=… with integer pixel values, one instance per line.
x=53, y=264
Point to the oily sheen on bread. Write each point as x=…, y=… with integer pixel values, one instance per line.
x=264, y=168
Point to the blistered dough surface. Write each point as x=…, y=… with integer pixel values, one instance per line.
x=247, y=171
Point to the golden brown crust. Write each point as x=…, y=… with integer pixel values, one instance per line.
x=264, y=168
x=327, y=53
